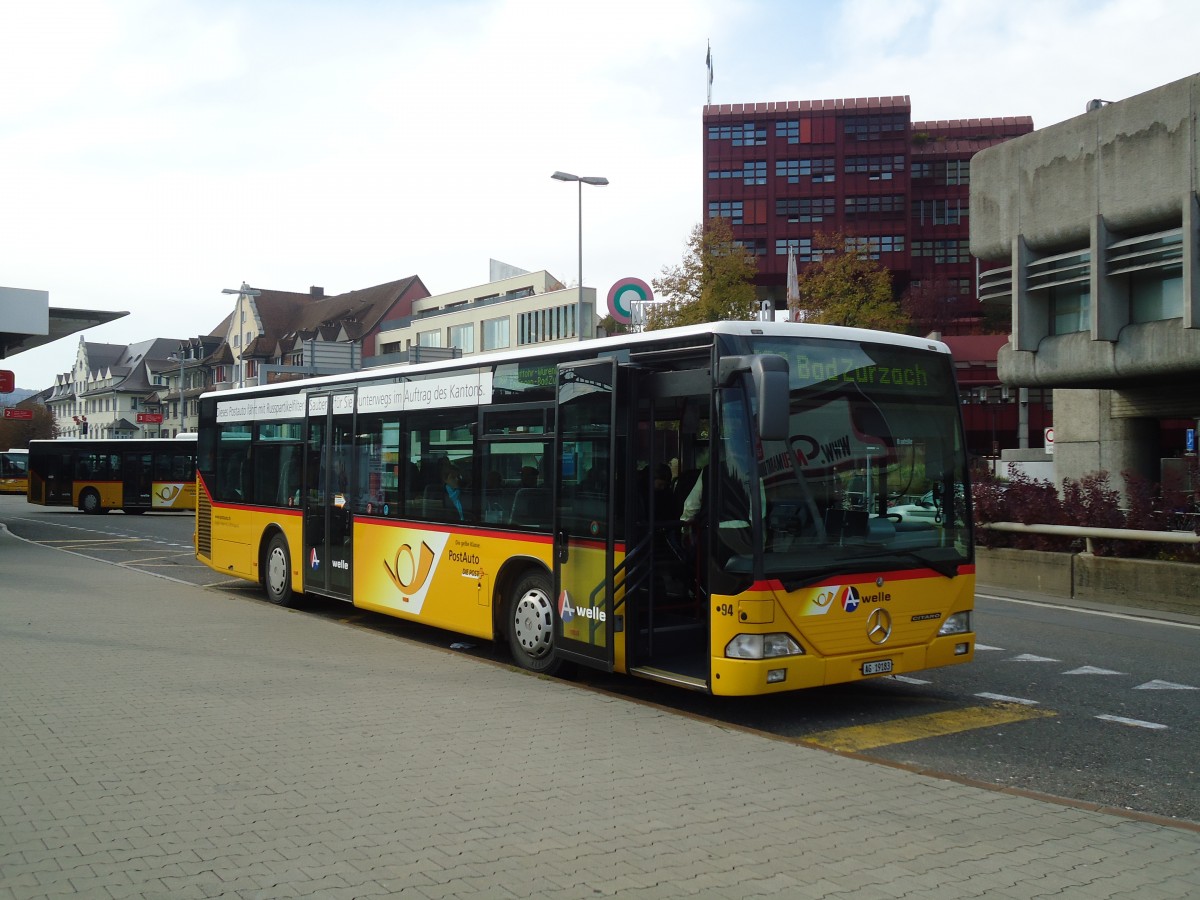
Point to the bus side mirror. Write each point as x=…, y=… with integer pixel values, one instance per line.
x=770, y=375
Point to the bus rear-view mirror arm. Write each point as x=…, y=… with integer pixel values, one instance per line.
x=770, y=375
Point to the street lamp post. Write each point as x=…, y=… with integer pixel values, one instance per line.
x=581, y=180
x=173, y=358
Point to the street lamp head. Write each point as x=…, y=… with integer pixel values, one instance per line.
x=597, y=181
x=564, y=176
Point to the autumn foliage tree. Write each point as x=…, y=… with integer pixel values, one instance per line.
x=846, y=287
x=15, y=434
x=715, y=281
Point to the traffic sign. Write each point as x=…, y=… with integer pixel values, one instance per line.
x=1048, y=438
x=149, y=418
x=625, y=295
x=12, y=412
x=8, y=381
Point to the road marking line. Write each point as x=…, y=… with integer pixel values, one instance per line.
x=1157, y=685
x=1136, y=723
x=1085, y=611
x=986, y=647
x=1029, y=657
x=916, y=728
x=908, y=679
x=1006, y=699
x=1092, y=670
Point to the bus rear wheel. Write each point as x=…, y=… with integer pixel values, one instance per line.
x=277, y=572
x=530, y=624
x=89, y=502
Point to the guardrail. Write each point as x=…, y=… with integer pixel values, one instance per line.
x=1089, y=533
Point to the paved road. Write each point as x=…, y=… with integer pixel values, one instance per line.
x=162, y=740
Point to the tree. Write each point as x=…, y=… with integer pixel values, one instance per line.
x=15, y=434
x=714, y=282
x=846, y=287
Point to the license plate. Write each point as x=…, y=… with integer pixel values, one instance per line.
x=879, y=667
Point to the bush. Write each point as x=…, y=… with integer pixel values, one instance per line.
x=1091, y=501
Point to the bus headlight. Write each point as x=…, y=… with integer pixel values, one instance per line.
x=763, y=646
x=959, y=623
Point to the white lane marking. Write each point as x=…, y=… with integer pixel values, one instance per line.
x=1092, y=670
x=1003, y=698
x=1147, y=620
x=1029, y=657
x=907, y=679
x=986, y=647
x=1164, y=686
x=1136, y=723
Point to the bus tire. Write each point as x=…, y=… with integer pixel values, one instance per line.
x=89, y=502
x=277, y=572
x=529, y=622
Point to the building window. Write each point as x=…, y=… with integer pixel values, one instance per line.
x=872, y=128
x=463, y=337
x=726, y=209
x=746, y=134
x=793, y=170
x=237, y=340
x=940, y=212
x=944, y=172
x=495, y=333
x=751, y=172
x=802, y=247
x=789, y=131
x=872, y=246
x=878, y=168
x=541, y=325
x=943, y=252
x=430, y=338
x=1153, y=297
x=1070, y=309
x=755, y=247
x=252, y=368
x=805, y=209
x=880, y=204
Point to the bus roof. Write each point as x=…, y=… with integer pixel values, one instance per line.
x=598, y=346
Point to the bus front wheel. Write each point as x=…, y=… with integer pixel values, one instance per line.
x=89, y=502
x=277, y=572
x=531, y=624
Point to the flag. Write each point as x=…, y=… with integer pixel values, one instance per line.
x=709, y=65
x=793, y=288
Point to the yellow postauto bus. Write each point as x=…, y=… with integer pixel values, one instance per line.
x=704, y=506
x=137, y=475
x=14, y=471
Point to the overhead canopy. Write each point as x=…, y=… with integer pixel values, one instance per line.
x=63, y=322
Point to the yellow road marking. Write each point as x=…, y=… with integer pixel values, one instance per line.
x=915, y=728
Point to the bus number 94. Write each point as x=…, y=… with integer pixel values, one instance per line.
x=725, y=609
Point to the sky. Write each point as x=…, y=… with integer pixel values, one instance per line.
x=155, y=152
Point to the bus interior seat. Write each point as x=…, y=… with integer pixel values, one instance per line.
x=531, y=508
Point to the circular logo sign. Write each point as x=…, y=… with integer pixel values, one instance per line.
x=624, y=294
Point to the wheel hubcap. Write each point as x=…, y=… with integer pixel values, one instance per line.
x=533, y=624
x=276, y=572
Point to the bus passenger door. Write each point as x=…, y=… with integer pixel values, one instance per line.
x=137, y=473
x=584, y=488
x=328, y=531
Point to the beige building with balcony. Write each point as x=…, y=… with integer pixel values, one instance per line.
x=518, y=310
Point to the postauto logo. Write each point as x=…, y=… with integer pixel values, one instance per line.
x=412, y=568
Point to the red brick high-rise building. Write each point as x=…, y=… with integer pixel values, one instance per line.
x=784, y=172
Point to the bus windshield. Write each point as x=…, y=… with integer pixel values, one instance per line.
x=871, y=476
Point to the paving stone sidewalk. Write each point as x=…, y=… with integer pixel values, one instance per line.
x=159, y=740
